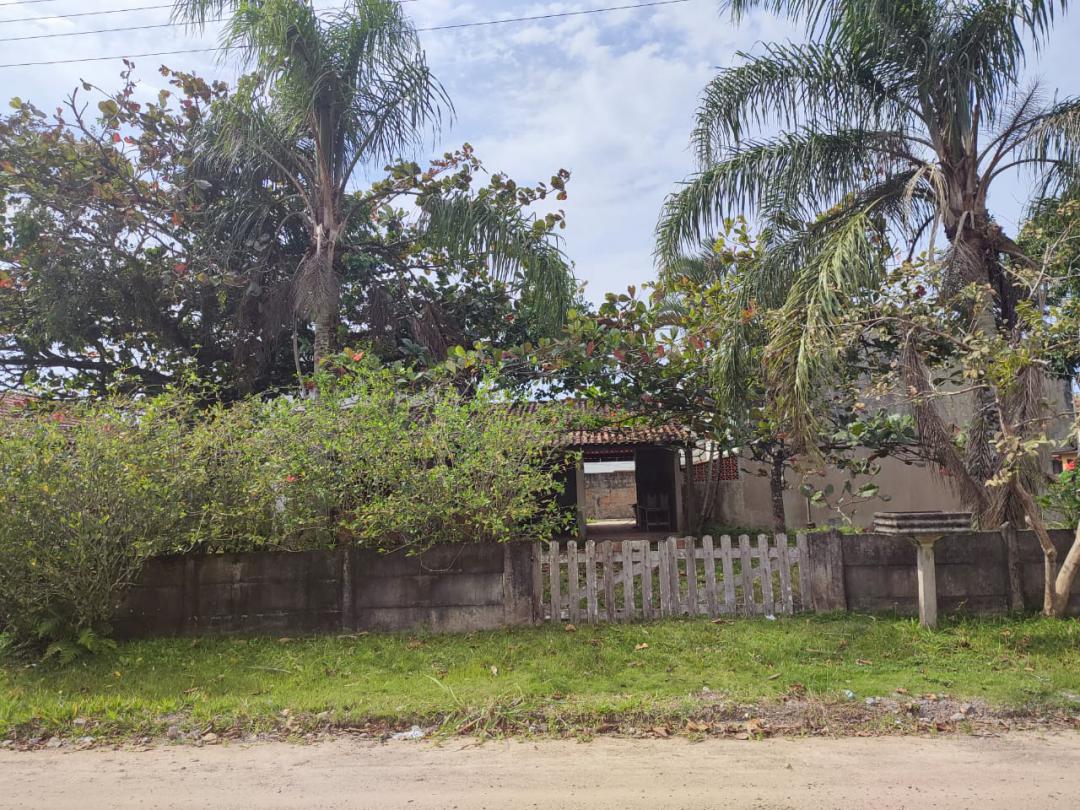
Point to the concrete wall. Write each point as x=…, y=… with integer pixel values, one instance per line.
x=610, y=495
x=875, y=572
x=449, y=588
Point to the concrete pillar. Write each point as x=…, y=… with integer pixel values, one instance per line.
x=927, y=574
x=828, y=588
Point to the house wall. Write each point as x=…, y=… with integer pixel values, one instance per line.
x=902, y=487
x=747, y=502
x=610, y=495
x=448, y=588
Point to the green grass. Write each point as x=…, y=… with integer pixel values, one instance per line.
x=539, y=672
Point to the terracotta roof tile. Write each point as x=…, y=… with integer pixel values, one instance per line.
x=616, y=432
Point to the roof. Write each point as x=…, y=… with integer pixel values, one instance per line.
x=12, y=404
x=627, y=435
x=617, y=429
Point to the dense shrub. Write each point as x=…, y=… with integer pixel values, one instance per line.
x=83, y=504
x=1062, y=497
x=364, y=463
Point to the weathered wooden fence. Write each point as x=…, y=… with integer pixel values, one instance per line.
x=623, y=580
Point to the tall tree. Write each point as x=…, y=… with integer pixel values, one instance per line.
x=896, y=118
x=121, y=268
x=333, y=93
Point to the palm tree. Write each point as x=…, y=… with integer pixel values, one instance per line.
x=895, y=119
x=332, y=93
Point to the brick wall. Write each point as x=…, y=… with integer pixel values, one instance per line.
x=610, y=495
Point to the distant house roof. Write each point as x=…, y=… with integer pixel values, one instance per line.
x=12, y=404
x=616, y=433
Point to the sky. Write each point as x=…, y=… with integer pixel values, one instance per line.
x=609, y=97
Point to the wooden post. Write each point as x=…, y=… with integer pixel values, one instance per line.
x=924, y=548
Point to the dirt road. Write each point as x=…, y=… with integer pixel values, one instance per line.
x=1026, y=771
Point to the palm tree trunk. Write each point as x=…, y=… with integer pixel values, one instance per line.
x=327, y=319
x=776, y=489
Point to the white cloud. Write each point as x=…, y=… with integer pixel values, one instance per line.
x=610, y=96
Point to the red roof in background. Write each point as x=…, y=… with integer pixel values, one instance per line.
x=612, y=433
x=12, y=404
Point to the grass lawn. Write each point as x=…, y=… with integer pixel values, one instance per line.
x=605, y=671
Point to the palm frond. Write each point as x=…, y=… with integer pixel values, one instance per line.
x=515, y=250
x=803, y=350
x=815, y=168
x=796, y=86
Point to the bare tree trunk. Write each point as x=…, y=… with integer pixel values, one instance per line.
x=1057, y=583
x=776, y=489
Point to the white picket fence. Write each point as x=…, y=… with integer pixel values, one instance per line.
x=624, y=580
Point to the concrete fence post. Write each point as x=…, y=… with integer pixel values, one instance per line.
x=828, y=591
x=1013, y=573
x=348, y=620
x=191, y=597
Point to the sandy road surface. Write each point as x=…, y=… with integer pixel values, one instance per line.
x=1018, y=771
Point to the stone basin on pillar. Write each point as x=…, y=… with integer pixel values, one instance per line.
x=924, y=529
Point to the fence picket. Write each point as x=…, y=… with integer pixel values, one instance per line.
x=769, y=605
x=646, y=579
x=609, y=580
x=590, y=581
x=572, y=585
x=729, y=574
x=538, y=581
x=747, y=576
x=673, y=571
x=804, y=571
x=783, y=559
x=709, y=555
x=663, y=562
x=555, y=577
x=627, y=553
x=691, y=576
x=596, y=599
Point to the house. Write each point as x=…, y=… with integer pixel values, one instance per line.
x=637, y=470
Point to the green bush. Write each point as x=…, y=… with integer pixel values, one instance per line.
x=365, y=463
x=1063, y=497
x=84, y=503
